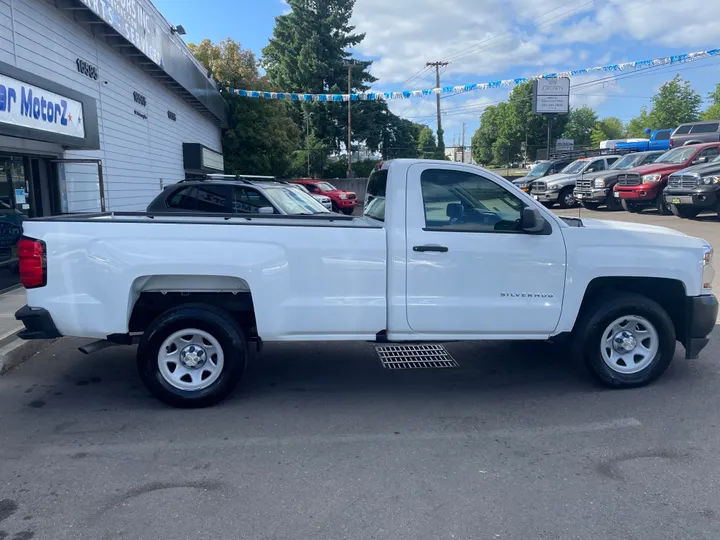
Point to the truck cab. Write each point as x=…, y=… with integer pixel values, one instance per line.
x=642, y=187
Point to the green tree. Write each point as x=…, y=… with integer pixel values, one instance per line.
x=636, y=127
x=713, y=110
x=580, y=123
x=427, y=147
x=674, y=104
x=606, y=129
x=261, y=135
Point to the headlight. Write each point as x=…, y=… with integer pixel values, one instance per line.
x=599, y=182
x=343, y=196
x=524, y=186
x=708, y=272
x=552, y=188
x=651, y=178
x=711, y=180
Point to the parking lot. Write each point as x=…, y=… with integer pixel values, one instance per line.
x=321, y=442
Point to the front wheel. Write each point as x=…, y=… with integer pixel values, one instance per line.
x=686, y=212
x=626, y=340
x=631, y=207
x=590, y=205
x=662, y=206
x=192, y=356
x=567, y=198
x=613, y=203
x=347, y=211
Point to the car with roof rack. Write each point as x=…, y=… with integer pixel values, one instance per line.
x=236, y=194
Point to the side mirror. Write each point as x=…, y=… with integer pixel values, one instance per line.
x=532, y=220
x=266, y=210
x=700, y=160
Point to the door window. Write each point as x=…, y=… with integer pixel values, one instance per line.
x=709, y=153
x=710, y=127
x=662, y=136
x=248, y=200
x=204, y=198
x=462, y=201
x=595, y=166
x=610, y=160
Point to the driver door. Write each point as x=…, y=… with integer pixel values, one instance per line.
x=471, y=270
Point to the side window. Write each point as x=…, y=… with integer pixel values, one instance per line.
x=709, y=152
x=462, y=201
x=248, y=200
x=212, y=198
x=183, y=199
x=595, y=166
x=711, y=127
x=311, y=187
x=682, y=130
x=610, y=160
x=375, y=195
x=662, y=136
x=650, y=159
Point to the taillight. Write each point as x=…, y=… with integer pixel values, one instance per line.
x=672, y=142
x=33, y=263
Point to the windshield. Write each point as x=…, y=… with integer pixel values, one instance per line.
x=628, y=162
x=575, y=166
x=540, y=169
x=294, y=200
x=326, y=186
x=677, y=155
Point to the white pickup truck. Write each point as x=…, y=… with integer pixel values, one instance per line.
x=444, y=252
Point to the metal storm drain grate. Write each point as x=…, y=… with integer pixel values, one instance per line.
x=415, y=356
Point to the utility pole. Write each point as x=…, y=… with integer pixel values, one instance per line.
x=307, y=141
x=463, y=143
x=440, y=139
x=349, y=131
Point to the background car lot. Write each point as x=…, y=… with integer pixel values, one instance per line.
x=322, y=442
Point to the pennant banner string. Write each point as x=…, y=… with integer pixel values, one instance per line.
x=373, y=96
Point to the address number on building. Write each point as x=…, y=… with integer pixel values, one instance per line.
x=139, y=98
x=87, y=69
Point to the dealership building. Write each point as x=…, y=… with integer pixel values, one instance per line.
x=101, y=106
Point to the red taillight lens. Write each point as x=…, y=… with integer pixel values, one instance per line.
x=672, y=143
x=33, y=267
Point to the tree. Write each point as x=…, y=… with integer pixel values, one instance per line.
x=261, y=135
x=674, y=104
x=427, y=147
x=636, y=127
x=580, y=123
x=606, y=129
x=713, y=111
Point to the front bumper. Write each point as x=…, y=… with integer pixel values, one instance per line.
x=545, y=196
x=594, y=194
x=38, y=324
x=700, y=317
x=637, y=193
x=700, y=199
x=347, y=203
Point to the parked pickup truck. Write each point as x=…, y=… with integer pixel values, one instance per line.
x=642, y=187
x=444, y=252
x=659, y=140
x=694, y=190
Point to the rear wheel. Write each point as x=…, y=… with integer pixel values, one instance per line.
x=631, y=207
x=192, y=356
x=625, y=340
x=347, y=211
x=661, y=205
x=686, y=212
x=590, y=205
x=566, y=198
x=335, y=207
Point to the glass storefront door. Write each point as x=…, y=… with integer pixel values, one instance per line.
x=16, y=197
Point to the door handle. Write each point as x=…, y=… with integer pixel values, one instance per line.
x=430, y=247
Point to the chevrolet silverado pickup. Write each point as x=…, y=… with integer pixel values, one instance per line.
x=444, y=252
x=694, y=190
x=642, y=187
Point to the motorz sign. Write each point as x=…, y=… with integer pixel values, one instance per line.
x=29, y=106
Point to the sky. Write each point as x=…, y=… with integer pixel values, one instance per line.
x=488, y=40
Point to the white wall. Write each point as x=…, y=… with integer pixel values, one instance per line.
x=138, y=155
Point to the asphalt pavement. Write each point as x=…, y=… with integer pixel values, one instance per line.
x=321, y=442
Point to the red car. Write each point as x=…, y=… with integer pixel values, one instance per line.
x=642, y=187
x=342, y=201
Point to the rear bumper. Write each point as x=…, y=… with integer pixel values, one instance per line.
x=38, y=324
x=700, y=317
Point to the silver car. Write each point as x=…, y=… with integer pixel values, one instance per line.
x=558, y=188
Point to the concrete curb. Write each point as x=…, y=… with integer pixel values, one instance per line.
x=18, y=350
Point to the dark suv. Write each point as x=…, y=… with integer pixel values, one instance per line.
x=695, y=133
x=236, y=195
x=694, y=190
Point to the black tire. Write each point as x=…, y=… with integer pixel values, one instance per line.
x=590, y=205
x=335, y=207
x=631, y=207
x=613, y=203
x=347, y=211
x=566, y=199
x=549, y=204
x=216, y=322
x=662, y=206
x=686, y=212
x=596, y=319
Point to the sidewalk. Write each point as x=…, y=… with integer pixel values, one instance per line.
x=13, y=350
